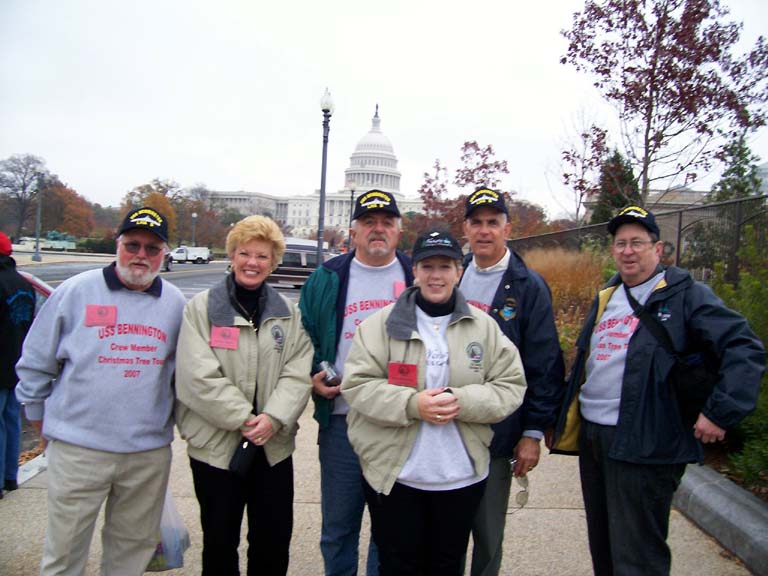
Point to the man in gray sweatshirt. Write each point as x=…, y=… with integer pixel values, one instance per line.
x=95, y=378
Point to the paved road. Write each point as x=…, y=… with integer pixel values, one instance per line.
x=189, y=278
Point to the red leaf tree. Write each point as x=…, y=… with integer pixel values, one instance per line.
x=669, y=68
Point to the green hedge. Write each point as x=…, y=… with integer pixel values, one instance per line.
x=750, y=298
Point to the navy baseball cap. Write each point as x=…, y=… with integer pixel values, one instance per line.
x=484, y=197
x=634, y=215
x=375, y=200
x=436, y=243
x=146, y=218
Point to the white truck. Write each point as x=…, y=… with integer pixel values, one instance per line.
x=194, y=254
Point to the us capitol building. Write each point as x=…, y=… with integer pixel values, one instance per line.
x=373, y=164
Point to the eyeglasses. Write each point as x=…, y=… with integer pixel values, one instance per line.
x=150, y=250
x=521, y=498
x=635, y=245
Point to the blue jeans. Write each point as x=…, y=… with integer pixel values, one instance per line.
x=343, y=503
x=627, y=507
x=10, y=436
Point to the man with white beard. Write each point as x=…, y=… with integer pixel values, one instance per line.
x=95, y=378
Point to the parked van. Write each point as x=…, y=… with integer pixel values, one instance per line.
x=296, y=267
x=197, y=254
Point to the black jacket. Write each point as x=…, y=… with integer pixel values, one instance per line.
x=522, y=307
x=17, y=309
x=649, y=429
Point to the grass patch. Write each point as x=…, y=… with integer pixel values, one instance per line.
x=574, y=278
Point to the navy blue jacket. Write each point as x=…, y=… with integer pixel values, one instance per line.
x=650, y=429
x=522, y=307
x=17, y=310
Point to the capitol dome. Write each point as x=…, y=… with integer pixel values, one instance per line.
x=373, y=164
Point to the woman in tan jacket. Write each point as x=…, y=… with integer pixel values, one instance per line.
x=242, y=381
x=425, y=378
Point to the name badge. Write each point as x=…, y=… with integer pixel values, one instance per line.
x=224, y=337
x=98, y=315
x=399, y=288
x=402, y=374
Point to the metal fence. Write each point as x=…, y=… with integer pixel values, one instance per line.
x=694, y=238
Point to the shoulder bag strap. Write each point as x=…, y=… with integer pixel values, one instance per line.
x=651, y=323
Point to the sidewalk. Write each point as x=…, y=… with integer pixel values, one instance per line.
x=546, y=538
x=23, y=257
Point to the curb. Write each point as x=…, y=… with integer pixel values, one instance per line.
x=734, y=517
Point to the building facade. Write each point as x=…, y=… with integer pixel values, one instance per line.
x=373, y=164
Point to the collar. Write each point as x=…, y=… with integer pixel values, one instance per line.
x=365, y=266
x=659, y=269
x=401, y=323
x=249, y=303
x=500, y=265
x=432, y=309
x=114, y=283
x=222, y=313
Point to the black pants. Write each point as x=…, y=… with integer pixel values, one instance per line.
x=421, y=532
x=268, y=494
x=627, y=507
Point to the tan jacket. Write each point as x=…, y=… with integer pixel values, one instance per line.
x=486, y=376
x=215, y=386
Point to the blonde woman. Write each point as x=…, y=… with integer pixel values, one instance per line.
x=242, y=381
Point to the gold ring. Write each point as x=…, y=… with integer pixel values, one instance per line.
x=439, y=417
x=258, y=439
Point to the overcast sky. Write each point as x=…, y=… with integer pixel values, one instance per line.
x=226, y=93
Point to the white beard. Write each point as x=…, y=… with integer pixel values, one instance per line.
x=135, y=278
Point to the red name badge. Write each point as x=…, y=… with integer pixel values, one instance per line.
x=224, y=337
x=402, y=374
x=97, y=315
x=399, y=288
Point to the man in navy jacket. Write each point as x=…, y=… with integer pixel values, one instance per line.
x=497, y=281
x=621, y=413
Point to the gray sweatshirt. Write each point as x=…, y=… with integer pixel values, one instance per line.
x=99, y=359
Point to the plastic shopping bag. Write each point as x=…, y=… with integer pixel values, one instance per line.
x=174, y=539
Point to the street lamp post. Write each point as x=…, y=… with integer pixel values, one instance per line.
x=326, y=105
x=36, y=257
x=194, y=221
x=351, y=210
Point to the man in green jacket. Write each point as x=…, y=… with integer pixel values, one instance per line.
x=336, y=298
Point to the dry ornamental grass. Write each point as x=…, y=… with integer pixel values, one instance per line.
x=574, y=278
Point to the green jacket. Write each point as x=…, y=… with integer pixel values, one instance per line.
x=486, y=376
x=215, y=386
x=322, y=301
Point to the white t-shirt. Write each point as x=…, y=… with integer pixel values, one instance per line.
x=479, y=285
x=438, y=459
x=600, y=395
x=369, y=289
